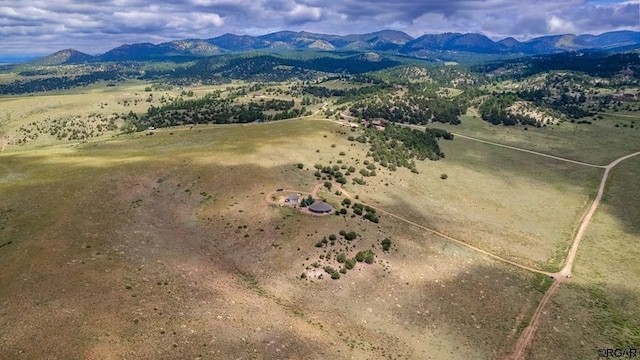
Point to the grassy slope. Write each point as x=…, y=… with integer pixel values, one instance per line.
x=116, y=250
x=521, y=206
x=574, y=141
x=600, y=309
x=118, y=231
x=42, y=108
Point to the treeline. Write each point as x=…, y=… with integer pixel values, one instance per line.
x=266, y=68
x=323, y=92
x=58, y=83
x=592, y=63
x=346, y=95
x=454, y=76
x=411, y=111
x=212, y=109
x=494, y=108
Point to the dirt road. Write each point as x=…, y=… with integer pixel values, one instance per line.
x=527, y=335
x=268, y=198
x=528, y=151
x=513, y=148
x=587, y=218
x=422, y=127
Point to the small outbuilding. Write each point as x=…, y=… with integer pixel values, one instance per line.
x=321, y=208
x=292, y=199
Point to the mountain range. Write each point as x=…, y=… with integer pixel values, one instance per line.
x=388, y=41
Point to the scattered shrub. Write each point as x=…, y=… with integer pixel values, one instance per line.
x=351, y=235
x=386, y=244
x=350, y=263
x=331, y=271
x=366, y=256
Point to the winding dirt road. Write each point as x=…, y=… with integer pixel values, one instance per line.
x=270, y=195
x=528, y=334
x=587, y=218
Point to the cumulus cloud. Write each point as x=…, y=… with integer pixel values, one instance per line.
x=559, y=25
x=42, y=26
x=302, y=14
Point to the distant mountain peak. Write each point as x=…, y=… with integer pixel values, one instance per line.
x=386, y=41
x=509, y=42
x=64, y=57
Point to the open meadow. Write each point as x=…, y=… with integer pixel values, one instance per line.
x=598, y=143
x=596, y=310
x=162, y=246
x=599, y=310
x=520, y=206
x=169, y=243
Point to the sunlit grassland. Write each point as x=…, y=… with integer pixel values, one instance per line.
x=521, y=206
x=598, y=143
x=6, y=78
x=96, y=99
x=100, y=100
x=153, y=228
x=599, y=309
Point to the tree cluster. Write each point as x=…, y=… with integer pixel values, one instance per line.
x=419, y=105
x=398, y=146
x=213, y=109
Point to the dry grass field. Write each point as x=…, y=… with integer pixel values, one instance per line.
x=599, y=309
x=599, y=143
x=520, y=206
x=91, y=105
x=162, y=246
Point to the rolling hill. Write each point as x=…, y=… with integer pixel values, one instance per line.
x=387, y=41
x=64, y=57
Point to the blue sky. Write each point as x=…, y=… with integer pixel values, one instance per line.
x=40, y=27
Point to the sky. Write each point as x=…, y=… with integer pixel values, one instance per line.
x=36, y=27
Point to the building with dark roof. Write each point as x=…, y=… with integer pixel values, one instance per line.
x=321, y=208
